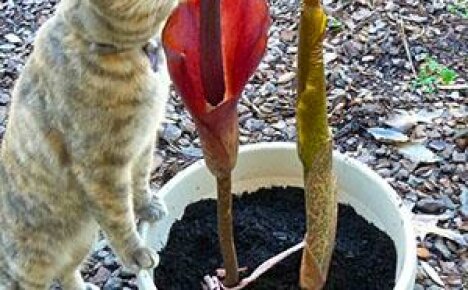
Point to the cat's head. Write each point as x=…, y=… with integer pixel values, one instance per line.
x=120, y=23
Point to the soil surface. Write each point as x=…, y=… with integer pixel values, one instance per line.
x=266, y=223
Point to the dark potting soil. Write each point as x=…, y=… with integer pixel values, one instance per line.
x=266, y=223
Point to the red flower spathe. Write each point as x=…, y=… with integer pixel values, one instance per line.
x=244, y=27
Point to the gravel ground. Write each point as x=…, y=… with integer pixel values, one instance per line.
x=414, y=136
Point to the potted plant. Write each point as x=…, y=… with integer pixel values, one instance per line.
x=210, y=59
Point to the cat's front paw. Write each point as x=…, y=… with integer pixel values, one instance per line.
x=152, y=211
x=142, y=258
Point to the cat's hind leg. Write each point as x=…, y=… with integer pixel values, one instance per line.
x=70, y=277
x=7, y=282
x=25, y=263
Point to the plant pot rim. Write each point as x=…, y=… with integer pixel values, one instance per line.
x=286, y=155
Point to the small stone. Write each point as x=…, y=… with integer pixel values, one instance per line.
x=464, y=202
x=437, y=145
x=102, y=254
x=402, y=174
x=254, y=125
x=368, y=58
x=361, y=14
x=171, y=133
x=7, y=46
x=380, y=152
x=281, y=125
x=157, y=161
x=110, y=262
x=288, y=35
x=188, y=125
x=384, y=172
x=114, y=283
x=430, y=205
x=454, y=281
x=459, y=157
x=3, y=113
x=192, y=152
x=352, y=48
x=101, y=276
x=423, y=253
x=442, y=248
x=448, y=202
x=464, y=266
x=292, y=49
x=4, y=99
x=415, y=181
x=398, y=62
x=462, y=143
x=285, y=78
x=461, y=139
x=291, y=132
x=13, y=38
x=330, y=56
x=267, y=89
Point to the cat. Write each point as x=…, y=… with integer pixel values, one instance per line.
x=76, y=155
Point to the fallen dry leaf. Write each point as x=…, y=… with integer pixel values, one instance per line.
x=418, y=153
x=425, y=224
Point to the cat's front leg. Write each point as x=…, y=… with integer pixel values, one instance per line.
x=148, y=206
x=108, y=189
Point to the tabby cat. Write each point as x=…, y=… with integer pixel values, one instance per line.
x=78, y=147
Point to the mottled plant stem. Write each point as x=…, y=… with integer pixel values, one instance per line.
x=312, y=3
x=226, y=231
x=315, y=148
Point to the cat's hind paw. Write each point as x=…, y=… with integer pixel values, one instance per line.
x=153, y=211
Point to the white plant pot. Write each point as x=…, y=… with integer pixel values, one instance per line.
x=277, y=164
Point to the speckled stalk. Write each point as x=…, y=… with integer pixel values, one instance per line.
x=315, y=149
x=226, y=231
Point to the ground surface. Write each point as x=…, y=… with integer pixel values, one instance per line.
x=267, y=222
x=370, y=79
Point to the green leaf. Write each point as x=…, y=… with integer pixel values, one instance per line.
x=336, y=24
x=459, y=8
x=428, y=80
x=431, y=73
x=433, y=65
x=448, y=75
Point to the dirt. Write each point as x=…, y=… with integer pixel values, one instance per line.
x=266, y=223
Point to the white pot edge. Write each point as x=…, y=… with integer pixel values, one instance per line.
x=406, y=245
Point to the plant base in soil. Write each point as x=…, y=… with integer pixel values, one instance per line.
x=266, y=223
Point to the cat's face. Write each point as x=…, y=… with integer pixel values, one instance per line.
x=122, y=23
x=135, y=6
